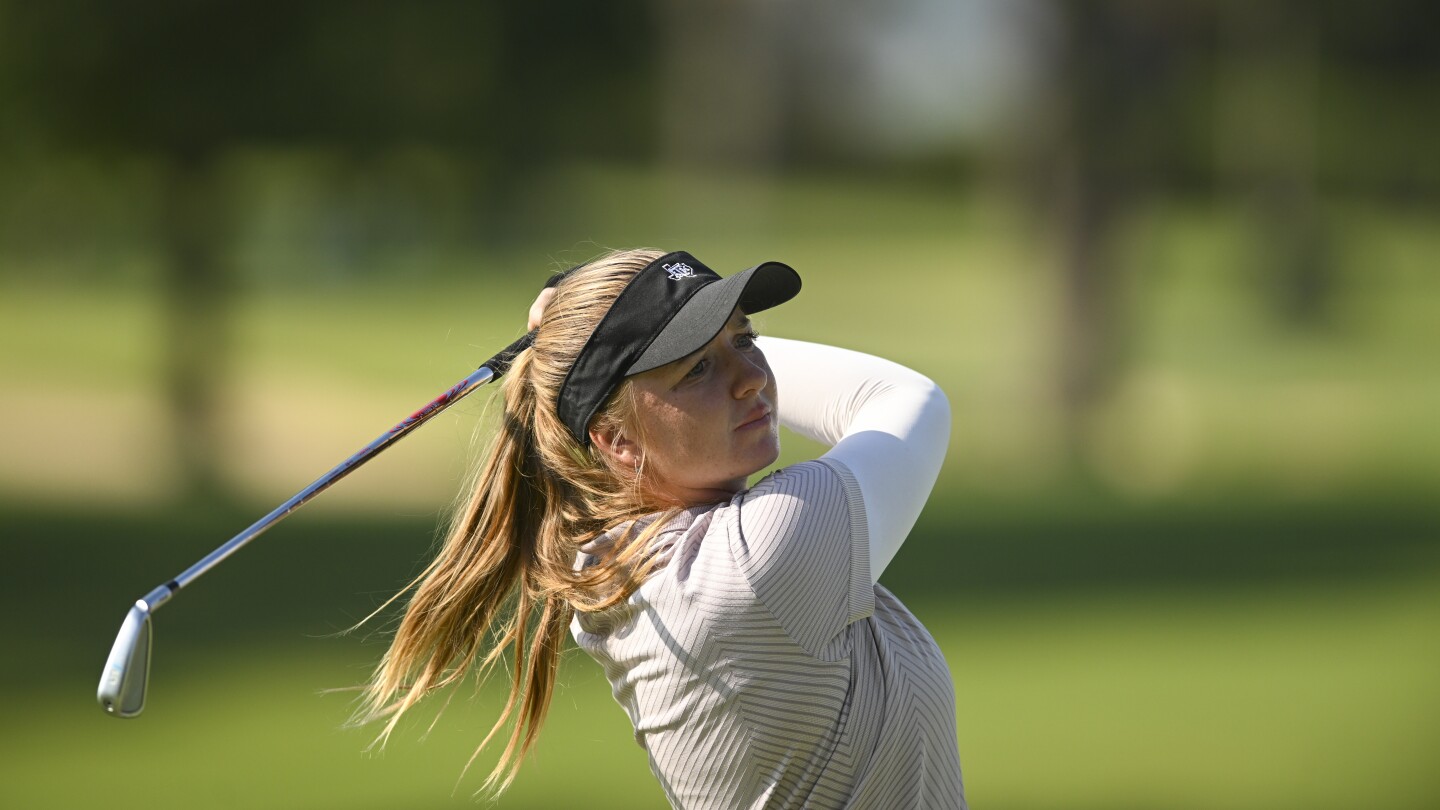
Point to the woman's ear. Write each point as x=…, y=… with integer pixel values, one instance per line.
x=618, y=447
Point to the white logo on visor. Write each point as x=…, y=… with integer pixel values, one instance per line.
x=679, y=270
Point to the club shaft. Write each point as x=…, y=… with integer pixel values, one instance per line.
x=490, y=370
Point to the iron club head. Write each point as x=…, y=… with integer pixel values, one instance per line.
x=127, y=670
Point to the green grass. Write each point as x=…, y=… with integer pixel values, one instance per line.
x=1281, y=698
x=1287, y=697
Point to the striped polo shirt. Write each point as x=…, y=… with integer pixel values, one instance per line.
x=761, y=668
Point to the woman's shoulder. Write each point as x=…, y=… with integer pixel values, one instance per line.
x=802, y=502
x=819, y=479
x=807, y=498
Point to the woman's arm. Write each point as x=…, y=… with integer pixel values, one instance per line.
x=888, y=425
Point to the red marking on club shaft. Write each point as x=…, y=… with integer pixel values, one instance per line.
x=438, y=402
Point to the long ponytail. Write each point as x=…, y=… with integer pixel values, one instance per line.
x=504, y=578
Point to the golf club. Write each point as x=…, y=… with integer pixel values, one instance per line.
x=127, y=670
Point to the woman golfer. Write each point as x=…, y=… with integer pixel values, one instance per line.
x=740, y=626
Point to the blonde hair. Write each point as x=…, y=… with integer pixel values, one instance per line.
x=504, y=578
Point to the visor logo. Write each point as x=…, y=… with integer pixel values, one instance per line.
x=679, y=270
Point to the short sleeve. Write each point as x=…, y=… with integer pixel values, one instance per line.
x=800, y=539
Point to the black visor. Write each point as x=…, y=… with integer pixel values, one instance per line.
x=671, y=308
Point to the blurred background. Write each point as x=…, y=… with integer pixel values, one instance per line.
x=1174, y=264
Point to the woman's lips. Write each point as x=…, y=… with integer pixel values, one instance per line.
x=756, y=418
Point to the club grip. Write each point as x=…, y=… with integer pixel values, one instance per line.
x=500, y=363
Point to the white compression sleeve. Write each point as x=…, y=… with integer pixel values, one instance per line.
x=888, y=425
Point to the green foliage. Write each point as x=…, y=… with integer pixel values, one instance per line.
x=185, y=79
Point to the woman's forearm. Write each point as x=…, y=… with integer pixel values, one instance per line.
x=888, y=425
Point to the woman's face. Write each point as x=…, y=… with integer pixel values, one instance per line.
x=707, y=422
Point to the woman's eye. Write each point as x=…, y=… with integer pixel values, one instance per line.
x=746, y=340
x=697, y=370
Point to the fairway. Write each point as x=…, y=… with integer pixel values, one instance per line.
x=1300, y=697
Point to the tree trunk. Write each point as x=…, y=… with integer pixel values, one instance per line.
x=197, y=288
x=1093, y=177
x=1268, y=119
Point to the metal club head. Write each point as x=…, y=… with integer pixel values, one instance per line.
x=127, y=670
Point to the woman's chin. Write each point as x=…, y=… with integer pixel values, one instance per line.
x=769, y=456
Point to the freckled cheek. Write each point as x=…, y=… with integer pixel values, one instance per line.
x=679, y=434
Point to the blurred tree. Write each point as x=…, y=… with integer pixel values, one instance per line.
x=1123, y=84
x=1269, y=125
x=1377, y=116
x=186, y=82
x=725, y=80
x=1287, y=91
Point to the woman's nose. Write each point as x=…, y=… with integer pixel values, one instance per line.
x=751, y=373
